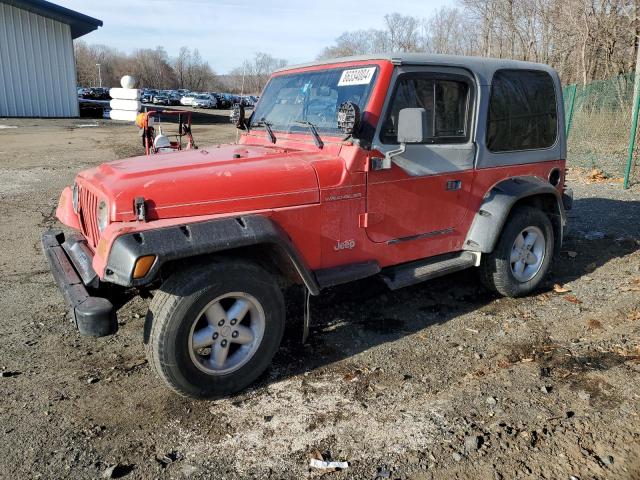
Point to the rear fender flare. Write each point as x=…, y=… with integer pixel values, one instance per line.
x=201, y=238
x=497, y=205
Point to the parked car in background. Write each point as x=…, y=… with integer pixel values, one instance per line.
x=161, y=99
x=98, y=93
x=174, y=98
x=187, y=99
x=248, y=101
x=204, y=101
x=148, y=95
x=224, y=100
x=217, y=96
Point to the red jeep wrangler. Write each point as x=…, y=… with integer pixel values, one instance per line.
x=407, y=167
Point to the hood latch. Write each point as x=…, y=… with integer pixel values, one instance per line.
x=140, y=209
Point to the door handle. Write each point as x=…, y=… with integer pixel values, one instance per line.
x=454, y=184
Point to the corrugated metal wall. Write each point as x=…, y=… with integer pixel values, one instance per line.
x=37, y=67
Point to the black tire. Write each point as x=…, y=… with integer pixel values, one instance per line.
x=495, y=270
x=174, y=309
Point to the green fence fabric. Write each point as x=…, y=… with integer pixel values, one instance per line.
x=598, y=122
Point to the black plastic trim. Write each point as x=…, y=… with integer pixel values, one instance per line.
x=496, y=206
x=435, y=233
x=192, y=239
x=93, y=316
x=329, y=277
x=567, y=199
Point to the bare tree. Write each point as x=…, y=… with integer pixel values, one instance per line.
x=583, y=39
x=181, y=64
x=447, y=31
x=253, y=75
x=192, y=72
x=152, y=69
x=87, y=58
x=403, y=32
x=358, y=42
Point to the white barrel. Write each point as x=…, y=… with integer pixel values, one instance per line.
x=126, y=115
x=125, y=93
x=118, y=104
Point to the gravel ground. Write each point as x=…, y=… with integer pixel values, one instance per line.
x=439, y=380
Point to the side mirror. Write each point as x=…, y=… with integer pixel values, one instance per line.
x=412, y=125
x=237, y=116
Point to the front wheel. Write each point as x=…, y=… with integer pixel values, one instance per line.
x=523, y=254
x=212, y=330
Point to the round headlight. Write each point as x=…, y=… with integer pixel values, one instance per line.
x=75, y=198
x=103, y=215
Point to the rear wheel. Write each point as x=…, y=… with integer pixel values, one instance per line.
x=523, y=254
x=214, y=329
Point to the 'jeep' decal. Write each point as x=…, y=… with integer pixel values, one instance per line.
x=346, y=245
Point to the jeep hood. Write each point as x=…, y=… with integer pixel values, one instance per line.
x=211, y=180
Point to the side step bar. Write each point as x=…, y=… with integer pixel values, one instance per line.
x=415, y=272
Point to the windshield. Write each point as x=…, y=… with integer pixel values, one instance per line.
x=313, y=97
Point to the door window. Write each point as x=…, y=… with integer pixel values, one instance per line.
x=445, y=100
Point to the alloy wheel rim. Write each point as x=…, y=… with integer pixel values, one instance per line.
x=527, y=254
x=226, y=334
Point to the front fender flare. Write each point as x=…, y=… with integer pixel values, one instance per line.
x=189, y=240
x=497, y=204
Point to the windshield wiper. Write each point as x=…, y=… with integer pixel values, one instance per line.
x=312, y=128
x=267, y=127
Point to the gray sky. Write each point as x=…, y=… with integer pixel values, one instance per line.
x=228, y=31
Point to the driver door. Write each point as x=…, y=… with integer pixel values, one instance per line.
x=425, y=194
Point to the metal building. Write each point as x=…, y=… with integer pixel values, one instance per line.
x=37, y=66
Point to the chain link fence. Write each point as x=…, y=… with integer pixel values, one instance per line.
x=598, y=121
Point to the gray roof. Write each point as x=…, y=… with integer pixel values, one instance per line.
x=484, y=67
x=79, y=23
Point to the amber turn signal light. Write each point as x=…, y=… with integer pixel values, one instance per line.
x=143, y=265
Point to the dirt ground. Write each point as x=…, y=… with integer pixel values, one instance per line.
x=439, y=380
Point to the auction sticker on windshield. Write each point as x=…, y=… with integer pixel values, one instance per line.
x=357, y=76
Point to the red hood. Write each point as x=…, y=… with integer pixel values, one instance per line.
x=207, y=181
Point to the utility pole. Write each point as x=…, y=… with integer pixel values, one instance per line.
x=99, y=75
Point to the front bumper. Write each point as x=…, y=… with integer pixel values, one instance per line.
x=93, y=316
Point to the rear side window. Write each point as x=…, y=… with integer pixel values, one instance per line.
x=446, y=102
x=522, y=111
